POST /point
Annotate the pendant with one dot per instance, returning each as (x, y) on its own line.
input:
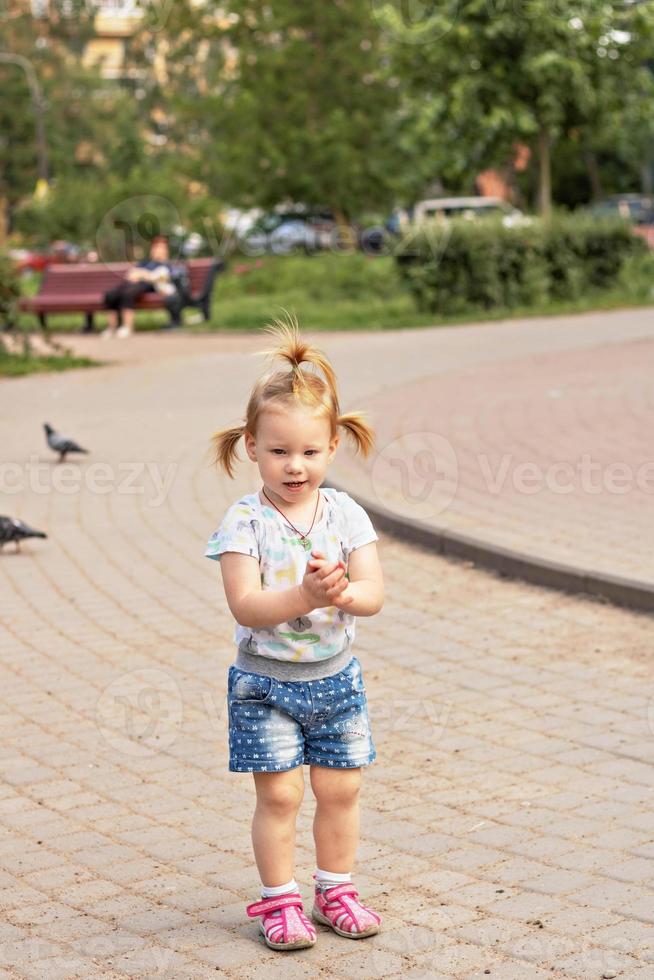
(305, 542)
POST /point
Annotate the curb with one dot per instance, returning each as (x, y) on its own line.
(632, 593)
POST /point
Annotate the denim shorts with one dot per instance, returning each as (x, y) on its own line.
(278, 725)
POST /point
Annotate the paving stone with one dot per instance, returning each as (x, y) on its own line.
(518, 783)
(57, 968)
(512, 970)
(557, 882)
(594, 961)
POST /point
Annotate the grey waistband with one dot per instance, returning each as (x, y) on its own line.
(291, 670)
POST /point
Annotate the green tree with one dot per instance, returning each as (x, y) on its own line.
(499, 71)
(300, 104)
(91, 127)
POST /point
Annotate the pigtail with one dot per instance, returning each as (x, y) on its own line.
(224, 444)
(292, 387)
(359, 431)
(292, 348)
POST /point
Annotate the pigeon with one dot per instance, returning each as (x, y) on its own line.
(61, 444)
(11, 529)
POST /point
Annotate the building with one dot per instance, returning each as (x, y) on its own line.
(115, 22)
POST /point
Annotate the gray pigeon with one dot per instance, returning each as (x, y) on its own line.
(61, 444)
(11, 529)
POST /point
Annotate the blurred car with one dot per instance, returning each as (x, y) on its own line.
(36, 260)
(238, 221)
(637, 208)
(470, 208)
(283, 232)
(187, 244)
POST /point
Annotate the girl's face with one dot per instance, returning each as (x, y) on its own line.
(293, 448)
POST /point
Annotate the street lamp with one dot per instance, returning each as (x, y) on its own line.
(37, 101)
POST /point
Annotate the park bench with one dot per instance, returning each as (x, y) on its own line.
(80, 288)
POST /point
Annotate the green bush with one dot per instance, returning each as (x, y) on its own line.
(325, 276)
(326, 291)
(9, 292)
(479, 266)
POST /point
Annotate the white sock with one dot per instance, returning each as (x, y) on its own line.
(278, 890)
(327, 879)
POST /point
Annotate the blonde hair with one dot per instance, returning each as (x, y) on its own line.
(290, 388)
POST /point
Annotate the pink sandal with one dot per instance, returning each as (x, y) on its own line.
(284, 924)
(339, 907)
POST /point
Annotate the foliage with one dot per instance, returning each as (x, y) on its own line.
(492, 75)
(345, 105)
(352, 292)
(323, 277)
(92, 127)
(302, 106)
(78, 208)
(9, 292)
(16, 353)
(471, 266)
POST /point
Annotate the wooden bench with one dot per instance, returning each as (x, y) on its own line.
(80, 288)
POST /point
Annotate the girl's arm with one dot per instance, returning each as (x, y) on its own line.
(364, 595)
(255, 607)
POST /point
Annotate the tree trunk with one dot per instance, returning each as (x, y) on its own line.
(4, 220)
(593, 175)
(544, 172)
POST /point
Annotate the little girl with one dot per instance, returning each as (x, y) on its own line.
(299, 564)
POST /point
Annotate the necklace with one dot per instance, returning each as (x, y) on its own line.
(304, 539)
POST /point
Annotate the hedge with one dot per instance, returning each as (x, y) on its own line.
(469, 266)
(9, 292)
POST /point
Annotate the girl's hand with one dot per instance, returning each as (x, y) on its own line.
(343, 600)
(323, 581)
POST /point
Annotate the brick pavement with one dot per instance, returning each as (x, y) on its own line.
(507, 825)
(530, 435)
(549, 455)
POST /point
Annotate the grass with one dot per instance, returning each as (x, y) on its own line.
(353, 292)
(16, 365)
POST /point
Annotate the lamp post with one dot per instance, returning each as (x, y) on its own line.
(37, 101)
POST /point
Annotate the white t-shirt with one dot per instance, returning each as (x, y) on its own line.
(251, 528)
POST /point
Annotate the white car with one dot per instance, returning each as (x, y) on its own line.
(446, 208)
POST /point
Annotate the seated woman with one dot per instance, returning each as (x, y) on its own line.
(156, 274)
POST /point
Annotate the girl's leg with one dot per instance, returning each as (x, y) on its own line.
(336, 822)
(279, 795)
